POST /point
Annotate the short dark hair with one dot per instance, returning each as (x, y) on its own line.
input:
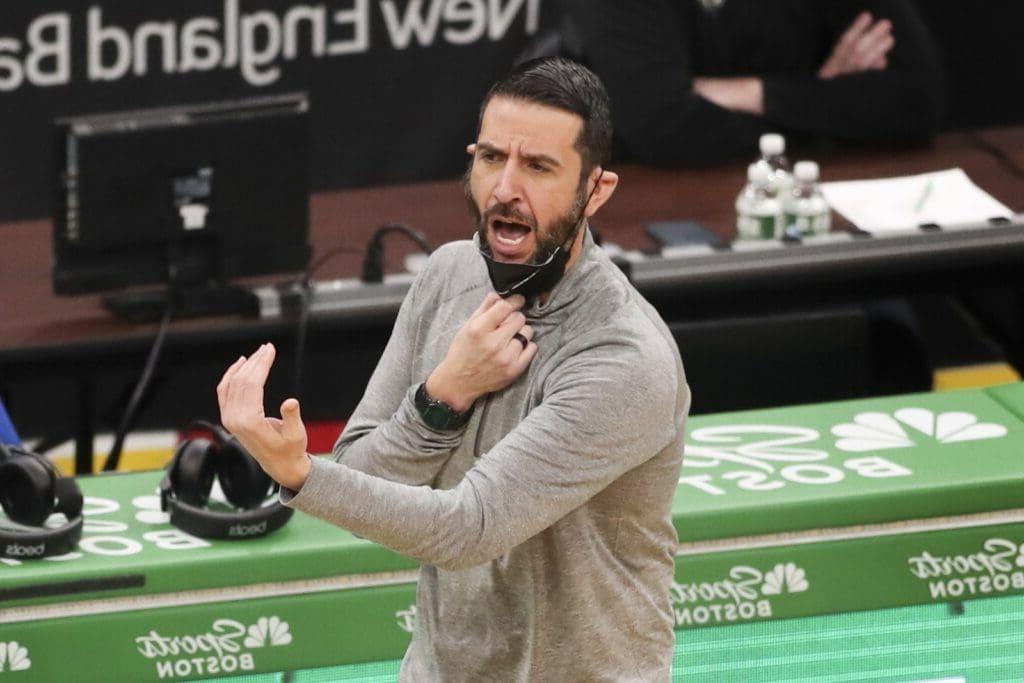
(567, 85)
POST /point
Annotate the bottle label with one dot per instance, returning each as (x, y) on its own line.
(808, 224)
(756, 227)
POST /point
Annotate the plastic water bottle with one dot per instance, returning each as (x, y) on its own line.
(773, 155)
(758, 210)
(804, 209)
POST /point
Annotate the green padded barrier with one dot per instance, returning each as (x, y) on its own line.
(834, 509)
(849, 506)
(1011, 396)
(934, 643)
(848, 463)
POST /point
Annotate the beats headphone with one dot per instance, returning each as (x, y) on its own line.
(32, 489)
(185, 489)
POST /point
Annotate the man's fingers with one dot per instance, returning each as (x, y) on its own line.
(292, 428)
(521, 363)
(510, 326)
(228, 374)
(253, 374)
(499, 311)
(871, 52)
(876, 41)
(242, 396)
(857, 28)
(852, 35)
(488, 301)
(839, 62)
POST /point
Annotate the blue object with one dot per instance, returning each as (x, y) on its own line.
(7, 433)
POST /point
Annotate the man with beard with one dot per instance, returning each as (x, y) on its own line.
(522, 434)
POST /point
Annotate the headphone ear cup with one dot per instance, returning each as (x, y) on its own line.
(244, 482)
(192, 471)
(26, 490)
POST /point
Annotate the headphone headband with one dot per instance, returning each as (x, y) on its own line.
(22, 542)
(28, 541)
(186, 469)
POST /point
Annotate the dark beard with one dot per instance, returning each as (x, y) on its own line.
(553, 236)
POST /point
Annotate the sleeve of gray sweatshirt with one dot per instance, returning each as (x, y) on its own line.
(608, 409)
(385, 436)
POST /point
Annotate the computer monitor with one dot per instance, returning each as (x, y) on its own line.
(188, 197)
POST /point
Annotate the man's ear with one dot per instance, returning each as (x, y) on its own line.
(471, 149)
(607, 181)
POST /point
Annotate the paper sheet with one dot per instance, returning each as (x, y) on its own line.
(885, 204)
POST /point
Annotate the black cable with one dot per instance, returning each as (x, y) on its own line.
(331, 253)
(305, 290)
(373, 260)
(373, 271)
(128, 417)
(997, 152)
(305, 295)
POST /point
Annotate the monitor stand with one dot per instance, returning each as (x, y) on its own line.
(145, 306)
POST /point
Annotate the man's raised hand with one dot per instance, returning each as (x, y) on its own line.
(492, 349)
(279, 445)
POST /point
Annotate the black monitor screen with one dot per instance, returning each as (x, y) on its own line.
(183, 196)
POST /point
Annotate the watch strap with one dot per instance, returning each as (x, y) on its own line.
(438, 415)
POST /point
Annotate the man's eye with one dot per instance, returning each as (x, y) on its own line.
(489, 157)
(537, 166)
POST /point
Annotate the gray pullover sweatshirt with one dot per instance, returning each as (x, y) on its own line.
(544, 525)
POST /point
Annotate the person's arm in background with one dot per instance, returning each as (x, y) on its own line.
(881, 81)
(640, 50)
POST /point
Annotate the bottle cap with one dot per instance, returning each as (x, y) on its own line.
(772, 144)
(758, 172)
(806, 171)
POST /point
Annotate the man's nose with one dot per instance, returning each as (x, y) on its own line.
(509, 187)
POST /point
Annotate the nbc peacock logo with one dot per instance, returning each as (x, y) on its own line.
(907, 427)
(268, 630)
(14, 656)
(785, 578)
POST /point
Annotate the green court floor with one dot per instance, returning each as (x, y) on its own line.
(980, 641)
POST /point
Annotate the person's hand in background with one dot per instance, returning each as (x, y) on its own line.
(864, 46)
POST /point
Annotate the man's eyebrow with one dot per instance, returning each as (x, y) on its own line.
(543, 158)
(484, 146)
(489, 147)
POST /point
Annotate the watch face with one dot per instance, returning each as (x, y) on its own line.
(437, 416)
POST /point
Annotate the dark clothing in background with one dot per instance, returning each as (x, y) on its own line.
(648, 52)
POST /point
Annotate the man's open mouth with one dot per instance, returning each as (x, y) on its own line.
(509, 233)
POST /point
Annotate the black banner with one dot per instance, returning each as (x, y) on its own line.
(394, 85)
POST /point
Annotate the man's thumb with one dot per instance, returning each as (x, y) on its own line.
(292, 418)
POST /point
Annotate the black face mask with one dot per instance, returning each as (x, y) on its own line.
(530, 280)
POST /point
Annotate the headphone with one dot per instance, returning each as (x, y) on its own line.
(31, 489)
(185, 489)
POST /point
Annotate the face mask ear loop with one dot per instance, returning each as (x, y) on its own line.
(583, 213)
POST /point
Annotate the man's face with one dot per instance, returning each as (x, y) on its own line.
(524, 186)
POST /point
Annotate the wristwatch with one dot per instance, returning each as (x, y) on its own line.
(438, 414)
